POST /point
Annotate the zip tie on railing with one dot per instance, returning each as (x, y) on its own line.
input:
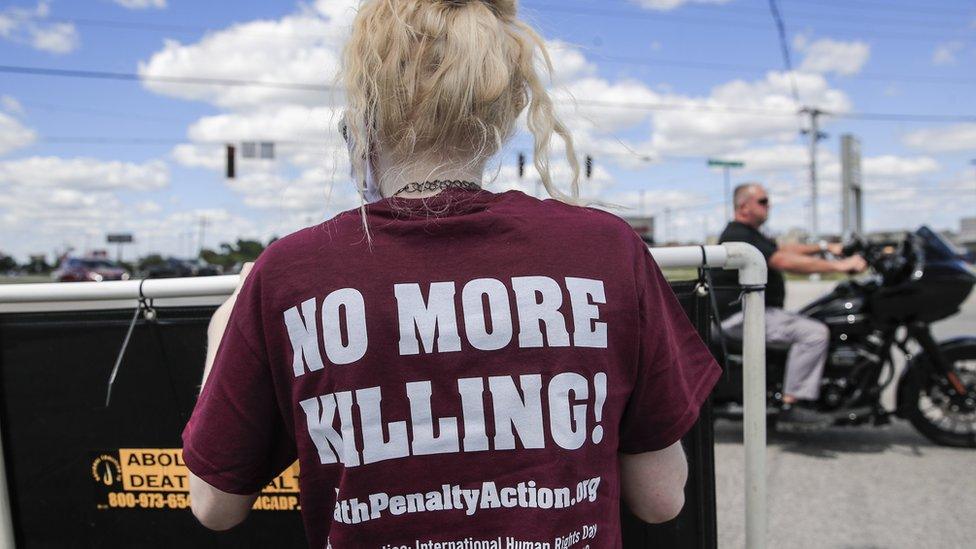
(705, 273)
(150, 314)
(747, 289)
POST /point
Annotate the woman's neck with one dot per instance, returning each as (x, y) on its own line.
(392, 175)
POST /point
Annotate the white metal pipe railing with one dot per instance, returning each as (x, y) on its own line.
(752, 273)
(744, 258)
(128, 289)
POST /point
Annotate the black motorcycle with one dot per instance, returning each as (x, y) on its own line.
(917, 281)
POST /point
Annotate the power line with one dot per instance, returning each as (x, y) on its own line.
(127, 25)
(671, 18)
(713, 66)
(887, 6)
(95, 112)
(874, 18)
(138, 25)
(108, 75)
(785, 50)
(648, 106)
(914, 22)
(904, 117)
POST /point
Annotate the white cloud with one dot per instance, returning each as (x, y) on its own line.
(896, 167)
(734, 114)
(312, 192)
(575, 102)
(827, 55)
(141, 4)
(49, 202)
(147, 207)
(300, 48)
(568, 62)
(781, 157)
(945, 53)
(667, 5)
(82, 174)
(287, 123)
(310, 177)
(193, 155)
(958, 137)
(28, 26)
(11, 105)
(13, 134)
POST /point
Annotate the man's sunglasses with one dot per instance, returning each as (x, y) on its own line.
(763, 201)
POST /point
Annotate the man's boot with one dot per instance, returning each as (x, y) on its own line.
(799, 416)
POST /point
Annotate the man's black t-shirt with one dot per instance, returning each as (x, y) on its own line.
(775, 287)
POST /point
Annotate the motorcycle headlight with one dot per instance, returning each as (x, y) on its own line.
(95, 277)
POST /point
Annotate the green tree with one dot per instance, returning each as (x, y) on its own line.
(37, 265)
(7, 263)
(229, 255)
(150, 261)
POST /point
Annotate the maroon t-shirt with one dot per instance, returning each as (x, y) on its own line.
(467, 379)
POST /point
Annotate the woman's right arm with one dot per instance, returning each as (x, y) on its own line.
(653, 483)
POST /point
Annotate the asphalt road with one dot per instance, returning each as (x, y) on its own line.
(854, 487)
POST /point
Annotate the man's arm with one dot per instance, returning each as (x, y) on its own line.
(785, 260)
(835, 248)
(653, 483)
(214, 508)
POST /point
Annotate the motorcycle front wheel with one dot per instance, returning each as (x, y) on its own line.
(933, 413)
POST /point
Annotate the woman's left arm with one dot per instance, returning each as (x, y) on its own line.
(216, 509)
(218, 324)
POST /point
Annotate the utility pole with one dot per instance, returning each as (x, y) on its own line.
(815, 135)
(973, 162)
(203, 228)
(642, 193)
(726, 165)
(667, 226)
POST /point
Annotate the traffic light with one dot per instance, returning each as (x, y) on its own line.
(521, 165)
(589, 166)
(230, 162)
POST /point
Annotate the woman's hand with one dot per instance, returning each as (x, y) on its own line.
(218, 323)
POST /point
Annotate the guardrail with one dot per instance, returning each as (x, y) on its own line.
(744, 258)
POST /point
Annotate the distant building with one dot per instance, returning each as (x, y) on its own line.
(643, 225)
(797, 235)
(967, 233)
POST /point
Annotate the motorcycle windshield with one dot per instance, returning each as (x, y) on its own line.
(937, 248)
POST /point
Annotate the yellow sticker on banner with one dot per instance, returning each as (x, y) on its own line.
(157, 478)
(153, 470)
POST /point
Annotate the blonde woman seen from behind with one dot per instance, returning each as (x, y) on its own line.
(446, 363)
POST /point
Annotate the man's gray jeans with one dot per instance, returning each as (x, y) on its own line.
(808, 340)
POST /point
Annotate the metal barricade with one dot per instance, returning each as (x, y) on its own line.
(78, 473)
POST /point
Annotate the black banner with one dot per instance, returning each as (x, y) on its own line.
(81, 474)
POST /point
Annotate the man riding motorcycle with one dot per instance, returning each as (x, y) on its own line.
(807, 338)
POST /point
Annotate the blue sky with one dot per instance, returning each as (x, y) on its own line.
(676, 81)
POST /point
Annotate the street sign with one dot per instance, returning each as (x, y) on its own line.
(715, 163)
(264, 150)
(119, 238)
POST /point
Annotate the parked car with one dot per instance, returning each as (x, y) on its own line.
(78, 269)
(173, 267)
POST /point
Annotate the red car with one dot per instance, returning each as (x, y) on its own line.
(75, 269)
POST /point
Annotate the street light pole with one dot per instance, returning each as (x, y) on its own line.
(726, 165)
(815, 135)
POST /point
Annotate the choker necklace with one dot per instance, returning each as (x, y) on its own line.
(438, 185)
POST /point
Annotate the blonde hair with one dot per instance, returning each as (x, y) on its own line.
(449, 77)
